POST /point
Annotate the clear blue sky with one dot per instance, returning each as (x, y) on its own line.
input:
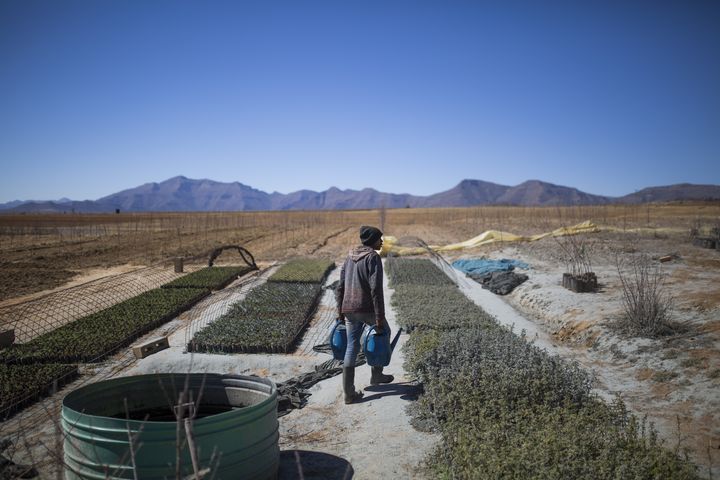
(610, 96)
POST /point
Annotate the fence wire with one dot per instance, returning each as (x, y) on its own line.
(47, 312)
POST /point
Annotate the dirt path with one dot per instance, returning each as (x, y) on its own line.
(326, 438)
(373, 436)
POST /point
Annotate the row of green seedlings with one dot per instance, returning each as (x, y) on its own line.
(506, 408)
(272, 316)
(33, 369)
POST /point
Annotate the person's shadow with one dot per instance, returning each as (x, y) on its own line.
(407, 391)
(307, 465)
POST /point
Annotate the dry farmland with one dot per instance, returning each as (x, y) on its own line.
(674, 379)
(40, 252)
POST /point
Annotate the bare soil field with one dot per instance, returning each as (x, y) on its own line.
(673, 379)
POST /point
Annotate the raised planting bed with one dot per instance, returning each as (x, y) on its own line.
(213, 278)
(303, 270)
(427, 298)
(22, 385)
(437, 307)
(415, 271)
(269, 319)
(507, 409)
(95, 336)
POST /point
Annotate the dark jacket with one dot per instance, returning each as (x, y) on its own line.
(360, 289)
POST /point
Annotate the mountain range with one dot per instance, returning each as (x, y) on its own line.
(189, 195)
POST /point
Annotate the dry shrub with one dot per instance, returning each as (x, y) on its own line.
(646, 302)
(577, 252)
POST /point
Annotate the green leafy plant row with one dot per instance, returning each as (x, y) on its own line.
(436, 307)
(415, 271)
(21, 385)
(303, 270)
(213, 278)
(507, 409)
(269, 319)
(95, 336)
(426, 298)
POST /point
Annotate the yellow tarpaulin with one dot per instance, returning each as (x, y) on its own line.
(486, 238)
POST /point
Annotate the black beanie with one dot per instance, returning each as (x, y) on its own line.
(369, 235)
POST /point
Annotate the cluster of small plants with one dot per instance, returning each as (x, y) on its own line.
(272, 315)
(28, 382)
(93, 337)
(213, 278)
(507, 409)
(34, 368)
(436, 307)
(303, 270)
(416, 271)
(438, 304)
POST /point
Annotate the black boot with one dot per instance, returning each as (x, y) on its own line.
(349, 386)
(377, 376)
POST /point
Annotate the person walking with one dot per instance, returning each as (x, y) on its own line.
(360, 301)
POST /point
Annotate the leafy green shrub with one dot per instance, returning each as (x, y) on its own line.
(303, 270)
(507, 409)
(269, 319)
(498, 366)
(93, 337)
(23, 384)
(596, 441)
(421, 345)
(213, 278)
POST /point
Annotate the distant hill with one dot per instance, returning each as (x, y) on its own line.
(336, 199)
(671, 193)
(535, 192)
(13, 204)
(181, 194)
(85, 206)
(466, 193)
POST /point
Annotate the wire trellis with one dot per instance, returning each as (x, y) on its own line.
(45, 313)
(87, 322)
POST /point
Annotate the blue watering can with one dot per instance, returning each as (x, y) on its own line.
(338, 339)
(377, 346)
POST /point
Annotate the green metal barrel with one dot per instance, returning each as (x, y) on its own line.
(137, 427)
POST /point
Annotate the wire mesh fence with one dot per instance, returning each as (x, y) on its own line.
(88, 322)
(208, 312)
(35, 317)
(45, 313)
(267, 319)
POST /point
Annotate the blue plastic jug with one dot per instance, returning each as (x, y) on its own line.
(377, 346)
(338, 339)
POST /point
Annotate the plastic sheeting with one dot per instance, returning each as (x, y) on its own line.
(486, 238)
(500, 283)
(481, 266)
